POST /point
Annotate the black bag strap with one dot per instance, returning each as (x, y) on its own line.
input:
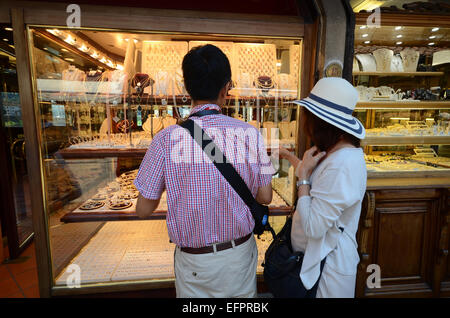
(225, 168)
(205, 113)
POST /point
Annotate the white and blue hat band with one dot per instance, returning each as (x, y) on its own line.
(339, 111)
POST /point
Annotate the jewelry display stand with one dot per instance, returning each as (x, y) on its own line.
(294, 63)
(410, 58)
(161, 60)
(397, 64)
(383, 59)
(367, 61)
(256, 59)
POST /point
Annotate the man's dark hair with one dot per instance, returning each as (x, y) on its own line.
(206, 70)
(324, 135)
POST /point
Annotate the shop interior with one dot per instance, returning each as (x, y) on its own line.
(102, 96)
(401, 74)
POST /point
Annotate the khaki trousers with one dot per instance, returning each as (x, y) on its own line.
(224, 274)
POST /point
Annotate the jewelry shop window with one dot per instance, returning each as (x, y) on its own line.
(101, 97)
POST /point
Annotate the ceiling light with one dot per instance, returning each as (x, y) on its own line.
(69, 59)
(53, 31)
(8, 29)
(45, 49)
(399, 36)
(363, 26)
(399, 118)
(84, 48)
(135, 41)
(398, 28)
(431, 43)
(365, 35)
(70, 39)
(126, 40)
(434, 29)
(432, 37)
(64, 50)
(398, 43)
(6, 40)
(366, 42)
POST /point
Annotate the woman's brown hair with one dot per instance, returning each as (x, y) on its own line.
(324, 135)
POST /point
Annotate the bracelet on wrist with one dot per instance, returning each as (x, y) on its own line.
(302, 182)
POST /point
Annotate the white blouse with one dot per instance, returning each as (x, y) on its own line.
(338, 185)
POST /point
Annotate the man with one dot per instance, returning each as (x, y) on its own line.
(216, 254)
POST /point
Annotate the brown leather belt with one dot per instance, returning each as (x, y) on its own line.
(219, 246)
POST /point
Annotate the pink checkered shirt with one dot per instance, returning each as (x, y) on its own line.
(202, 207)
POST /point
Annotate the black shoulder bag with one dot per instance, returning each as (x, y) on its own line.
(259, 212)
(282, 267)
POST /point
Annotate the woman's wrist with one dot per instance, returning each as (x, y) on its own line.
(302, 173)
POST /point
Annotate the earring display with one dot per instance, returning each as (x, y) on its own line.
(410, 58)
(294, 63)
(285, 130)
(162, 60)
(383, 59)
(256, 59)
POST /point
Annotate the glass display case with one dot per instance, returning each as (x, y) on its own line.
(101, 97)
(412, 142)
(404, 101)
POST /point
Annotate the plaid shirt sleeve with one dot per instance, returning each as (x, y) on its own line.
(150, 180)
(265, 165)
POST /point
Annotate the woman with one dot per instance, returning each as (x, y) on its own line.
(332, 182)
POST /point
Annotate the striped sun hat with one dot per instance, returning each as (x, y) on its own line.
(333, 99)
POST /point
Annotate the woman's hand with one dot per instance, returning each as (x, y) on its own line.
(283, 153)
(311, 158)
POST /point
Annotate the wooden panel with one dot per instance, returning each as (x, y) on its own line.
(128, 18)
(413, 195)
(444, 246)
(397, 231)
(307, 80)
(399, 74)
(407, 19)
(407, 183)
(401, 235)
